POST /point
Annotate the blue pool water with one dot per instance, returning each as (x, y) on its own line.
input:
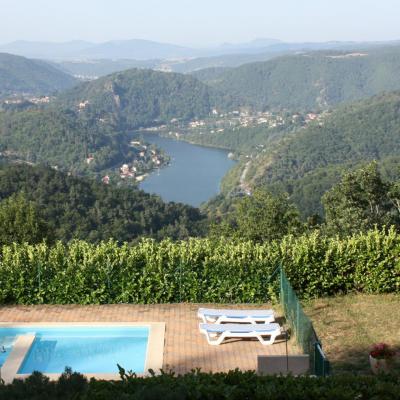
(84, 349)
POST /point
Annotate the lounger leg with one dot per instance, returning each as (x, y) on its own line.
(271, 340)
(217, 341)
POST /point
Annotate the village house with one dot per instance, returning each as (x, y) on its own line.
(83, 104)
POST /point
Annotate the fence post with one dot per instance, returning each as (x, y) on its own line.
(315, 366)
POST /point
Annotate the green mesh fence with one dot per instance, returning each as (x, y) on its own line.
(302, 328)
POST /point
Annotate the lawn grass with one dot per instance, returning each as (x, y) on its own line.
(349, 325)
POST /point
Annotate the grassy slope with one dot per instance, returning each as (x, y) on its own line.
(349, 325)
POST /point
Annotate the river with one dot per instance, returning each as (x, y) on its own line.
(194, 174)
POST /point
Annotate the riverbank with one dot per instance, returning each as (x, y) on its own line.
(183, 138)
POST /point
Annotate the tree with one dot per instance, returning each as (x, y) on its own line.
(360, 201)
(20, 221)
(262, 217)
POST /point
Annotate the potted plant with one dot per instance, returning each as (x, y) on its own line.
(381, 357)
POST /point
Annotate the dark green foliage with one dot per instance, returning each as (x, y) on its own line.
(21, 221)
(70, 386)
(260, 217)
(197, 270)
(86, 209)
(306, 192)
(21, 75)
(360, 201)
(312, 80)
(233, 385)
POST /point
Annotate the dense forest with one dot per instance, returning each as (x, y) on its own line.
(21, 75)
(79, 208)
(62, 138)
(310, 80)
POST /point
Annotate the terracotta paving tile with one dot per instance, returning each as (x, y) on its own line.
(185, 348)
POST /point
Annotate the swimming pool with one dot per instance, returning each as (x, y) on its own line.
(93, 350)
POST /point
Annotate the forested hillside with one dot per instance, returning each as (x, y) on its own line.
(62, 138)
(311, 80)
(86, 209)
(143, 97)
(22, 75)
(312, 160)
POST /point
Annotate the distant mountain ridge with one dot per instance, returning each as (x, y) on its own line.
(22, 75)
(140, 49)
(134, 49)
(44, 49)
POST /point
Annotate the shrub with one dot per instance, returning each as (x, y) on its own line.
(196, 385)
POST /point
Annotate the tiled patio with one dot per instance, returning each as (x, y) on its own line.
(184, 349)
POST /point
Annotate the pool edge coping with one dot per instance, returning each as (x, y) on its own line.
(154, 353)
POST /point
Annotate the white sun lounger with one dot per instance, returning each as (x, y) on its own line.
(215, 316)
(217, 333)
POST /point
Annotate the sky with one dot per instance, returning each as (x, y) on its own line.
(199, 22)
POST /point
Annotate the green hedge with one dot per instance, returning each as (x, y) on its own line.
(198, 270)
(234, 385)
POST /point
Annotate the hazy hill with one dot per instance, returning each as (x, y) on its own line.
(45, 49)
(93, 69)
(308, 163)
(140, 49)
(22, 75)
(115, 49)
(312, 80)
(135, 49)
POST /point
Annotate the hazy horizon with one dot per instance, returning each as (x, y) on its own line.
(211, 45)
(204, 24)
